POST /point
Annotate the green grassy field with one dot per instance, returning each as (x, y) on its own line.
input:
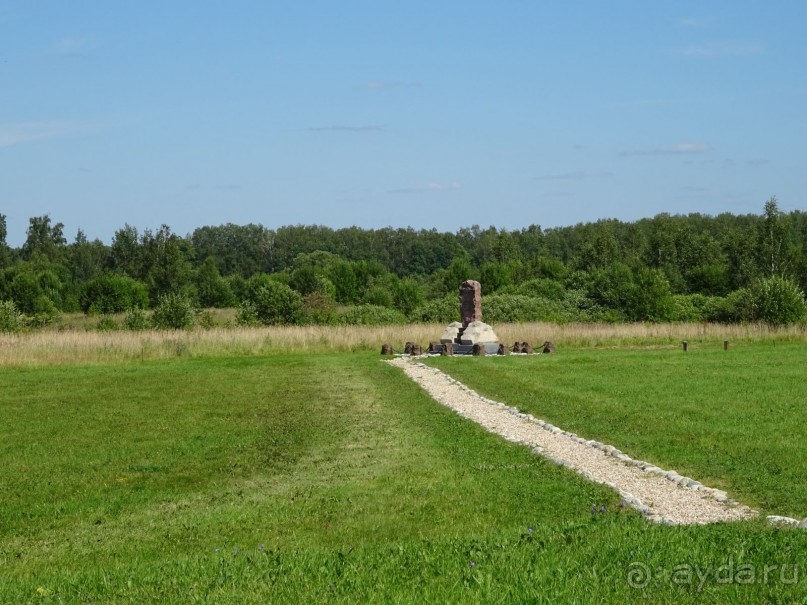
(333, 478)
(732, 419)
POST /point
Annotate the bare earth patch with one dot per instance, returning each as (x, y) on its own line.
(663, 496)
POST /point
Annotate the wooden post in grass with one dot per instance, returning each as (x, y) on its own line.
(686, 344)
(725, 345)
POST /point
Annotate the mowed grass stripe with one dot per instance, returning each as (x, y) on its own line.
(731, 419)
(131, 467)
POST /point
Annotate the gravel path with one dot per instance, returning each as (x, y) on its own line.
(664, 496)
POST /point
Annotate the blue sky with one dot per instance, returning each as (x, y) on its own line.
(423, 114)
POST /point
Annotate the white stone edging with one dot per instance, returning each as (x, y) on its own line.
(682, 481)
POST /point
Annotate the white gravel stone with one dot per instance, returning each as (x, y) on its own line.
(662, 500)
(778, 520)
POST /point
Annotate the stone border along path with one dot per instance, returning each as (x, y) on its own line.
(663, 496)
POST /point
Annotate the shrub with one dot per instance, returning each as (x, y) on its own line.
(778, 301)
(174, 311)
(318, 309)
(326, 287)
(247, 315)
(343, 277)
(650, 297)
(440, 310)
(212, 289)
(25, 292)
(407, 295)
(238, 286)
(44, 312)
(737, 307)
(11, 320)
(543, 288)
(699, 307)
(371, 315)
(206, 320)
(136, 320)
(552, 268)
(304, 280)
(274, 303)
(111, 293)
(514, 308)
(379, 296)
(580, 307)
(106, 323)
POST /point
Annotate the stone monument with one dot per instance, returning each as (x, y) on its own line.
(470, 301)
(471, 330)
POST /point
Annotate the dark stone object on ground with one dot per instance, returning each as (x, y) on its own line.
(516, 347)
(448, 349)
(503, 350)
(408, 348)
(416, 350)
(435, 347)
(549, 347)
(386, 349)
(470, 301)
(526, 348)
(479, 350)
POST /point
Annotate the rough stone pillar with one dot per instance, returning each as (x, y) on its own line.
(470, 302)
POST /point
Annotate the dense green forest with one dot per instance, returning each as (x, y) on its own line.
(726, 268)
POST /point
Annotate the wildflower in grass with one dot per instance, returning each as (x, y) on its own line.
(603, 509)
(217, 549)
(529, 529)
(471, 564)
(262, 547)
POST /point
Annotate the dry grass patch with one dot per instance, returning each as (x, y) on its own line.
(51, 347)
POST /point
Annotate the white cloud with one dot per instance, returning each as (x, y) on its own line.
(678, 149)
(25, 132)
(694, 22)
(348, 128)
(758, 162)
(684, 148)
(576, 175)
(380, 85)
(69, 47)
(428, 187)
(722, 50)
